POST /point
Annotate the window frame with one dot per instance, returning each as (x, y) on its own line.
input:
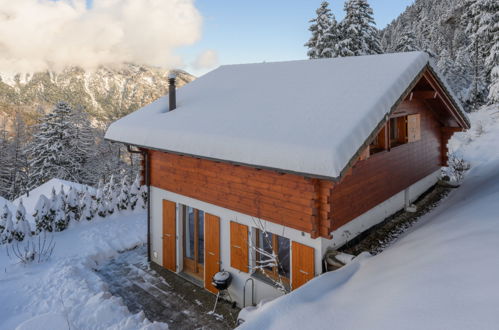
(273, 273)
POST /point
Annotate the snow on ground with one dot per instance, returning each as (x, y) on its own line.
(66, 288)
(441, 275)
(4, 202)
(46, 189)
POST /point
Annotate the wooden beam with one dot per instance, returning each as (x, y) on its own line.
(422, 95)
(428, 75)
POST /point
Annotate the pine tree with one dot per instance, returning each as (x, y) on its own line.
(483, 31)
(406, 43)
(7, 224)
(43, 220)
(22, 229)
(19, 161)
(51, 152)
(4, 160)
(321, 25)
(494, 85)
(359, 35)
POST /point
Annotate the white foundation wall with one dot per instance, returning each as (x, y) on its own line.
(262, 289)
(379, 213)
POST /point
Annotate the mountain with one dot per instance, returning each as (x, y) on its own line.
(106, 93)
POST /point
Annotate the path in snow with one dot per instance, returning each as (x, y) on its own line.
(177, 302)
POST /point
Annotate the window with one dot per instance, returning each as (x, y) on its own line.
(272, 255)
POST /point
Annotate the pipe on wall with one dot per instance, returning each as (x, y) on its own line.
(145, 154)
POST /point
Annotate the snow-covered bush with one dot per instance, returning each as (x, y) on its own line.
(59, 207)
(135, 193)
(87, 206)
(32, 249)
(6, 225)
(72, 206)
(22, 229)
(456, 168)
(43, 218)
(143, 196)
(124, 196)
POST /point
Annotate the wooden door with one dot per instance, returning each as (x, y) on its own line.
(239, 246)
(169, 236)
(302, 264)
(212, 250)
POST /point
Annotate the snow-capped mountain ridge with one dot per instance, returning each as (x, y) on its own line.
(107, 93)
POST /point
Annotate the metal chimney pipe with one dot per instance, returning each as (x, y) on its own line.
(171, 91)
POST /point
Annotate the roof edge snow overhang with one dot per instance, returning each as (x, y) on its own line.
(450, 103)
(260, 167)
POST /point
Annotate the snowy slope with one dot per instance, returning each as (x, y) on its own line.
(307, 116)
(4, 202)
(66, 289)
(441, 275)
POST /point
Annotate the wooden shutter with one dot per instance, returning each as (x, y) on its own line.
(413, 128)
(402, 129)
(302, 264)
(169, 236)
(239, 246)
(211, 250)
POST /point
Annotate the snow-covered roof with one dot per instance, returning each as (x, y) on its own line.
(308, 116)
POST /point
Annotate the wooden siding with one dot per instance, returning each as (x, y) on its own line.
(239, 246)
(302, 264)
(291, 200)
(386, 173)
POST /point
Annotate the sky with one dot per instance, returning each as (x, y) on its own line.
(194, 35)
(268, 30)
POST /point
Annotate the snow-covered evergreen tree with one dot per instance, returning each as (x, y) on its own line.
(320, 27)
(359, 35)
(494, 85)
(4, 160)
(143, 195)
(102, 208)
(124, 196)
(7, 224)
(87, 206)
(135, 193)
(22, 228)
(61, 221)
(51, 152)
(72, 206)
(43, 219)
(406, 43)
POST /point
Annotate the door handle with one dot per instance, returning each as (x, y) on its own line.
(213, 254)
(236, 246)
(304, 272)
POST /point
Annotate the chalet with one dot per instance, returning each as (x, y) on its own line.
(287, 159)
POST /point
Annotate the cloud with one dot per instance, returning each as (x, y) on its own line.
(206, 60)
(45, 34)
